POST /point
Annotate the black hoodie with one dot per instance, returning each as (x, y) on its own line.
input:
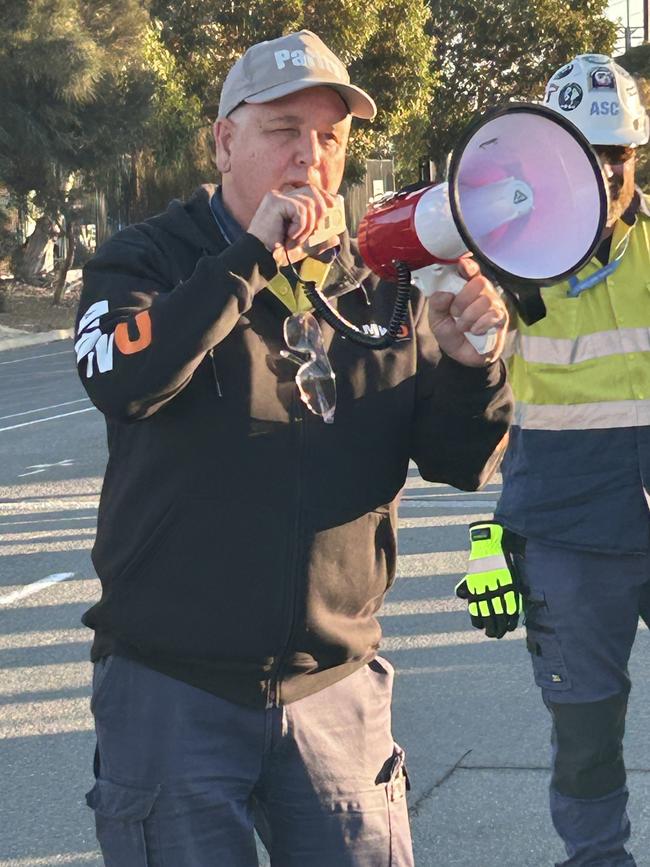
(243, 545)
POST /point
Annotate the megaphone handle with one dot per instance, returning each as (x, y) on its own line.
(451, 281)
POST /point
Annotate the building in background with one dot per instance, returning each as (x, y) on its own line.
(631, 17)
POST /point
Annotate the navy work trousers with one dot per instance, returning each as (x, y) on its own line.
(582, 614)
(183, 777)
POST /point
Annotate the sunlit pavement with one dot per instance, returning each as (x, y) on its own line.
(472, 724)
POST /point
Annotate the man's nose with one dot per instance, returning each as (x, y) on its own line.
(309, 151)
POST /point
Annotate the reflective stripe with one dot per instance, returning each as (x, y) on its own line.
(487, 564)
(551, 350)
(583, 416)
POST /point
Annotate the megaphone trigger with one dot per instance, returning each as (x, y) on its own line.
(445, 278)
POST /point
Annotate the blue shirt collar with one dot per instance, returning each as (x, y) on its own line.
(228, 225)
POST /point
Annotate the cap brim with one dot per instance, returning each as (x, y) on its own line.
(358, 102)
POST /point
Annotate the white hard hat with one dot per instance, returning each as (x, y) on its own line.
(601, 99)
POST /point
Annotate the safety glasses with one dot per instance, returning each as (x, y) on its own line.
(315, 378)
(614, 155)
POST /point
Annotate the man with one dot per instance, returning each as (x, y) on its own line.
(577, 474)
(244, 545)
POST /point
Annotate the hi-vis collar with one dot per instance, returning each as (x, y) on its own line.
(311, 270)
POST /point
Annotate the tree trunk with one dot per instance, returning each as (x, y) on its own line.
(32, 261)
(4, 296)
(64, 267)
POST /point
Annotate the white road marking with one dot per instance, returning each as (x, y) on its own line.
(75, 858)
(47, 521)
(32, 357)
(81, 590)
(43, 408)
(49, 418)
(439, 503)
(40, 468)
(29, 506)
(35, 587)
(13, 536)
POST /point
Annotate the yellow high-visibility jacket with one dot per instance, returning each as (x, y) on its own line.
(577, 471)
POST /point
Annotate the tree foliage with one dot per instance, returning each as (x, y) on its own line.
(75, 92)
(383, 42)
(73, 89)
(637, 61)
(498, 50)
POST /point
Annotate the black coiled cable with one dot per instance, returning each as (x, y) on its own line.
(347, 329)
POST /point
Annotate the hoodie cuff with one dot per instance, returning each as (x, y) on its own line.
(492, 374)
(249, 260)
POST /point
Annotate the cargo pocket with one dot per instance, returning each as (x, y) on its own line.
(549, 667)
(397, 784)
(120, 813)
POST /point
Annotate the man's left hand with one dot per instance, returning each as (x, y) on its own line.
(478, 307)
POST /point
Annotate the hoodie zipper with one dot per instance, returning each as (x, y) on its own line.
(217, 384)
(273, 693)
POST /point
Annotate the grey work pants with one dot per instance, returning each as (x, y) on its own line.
(183, 777)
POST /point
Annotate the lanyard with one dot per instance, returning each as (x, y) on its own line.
(577, 286)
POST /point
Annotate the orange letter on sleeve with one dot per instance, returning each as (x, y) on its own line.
(124, 343)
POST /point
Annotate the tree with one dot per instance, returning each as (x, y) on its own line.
(383, 43)
(637, 62)
(497, 50)
(75, 93)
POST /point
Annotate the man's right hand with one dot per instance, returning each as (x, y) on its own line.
(492, 586)
(287, 219)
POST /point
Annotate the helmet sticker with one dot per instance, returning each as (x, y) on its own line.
(563, 72)
(602, 78)
(596, 58)
(550, 90)
(570, 96)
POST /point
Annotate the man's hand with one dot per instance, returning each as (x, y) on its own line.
(477, 308)
(288, 218)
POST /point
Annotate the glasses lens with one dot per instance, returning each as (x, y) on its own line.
(317, 389)
(315, 379)
(302, 333)
(615, 155)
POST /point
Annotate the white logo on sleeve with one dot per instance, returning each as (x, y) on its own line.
(95, 347)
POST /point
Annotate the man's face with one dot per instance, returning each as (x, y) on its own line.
(281, 145)
(618, 166)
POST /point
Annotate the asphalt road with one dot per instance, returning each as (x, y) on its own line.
(472, 723)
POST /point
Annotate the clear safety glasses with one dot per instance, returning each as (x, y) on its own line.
(315, 378)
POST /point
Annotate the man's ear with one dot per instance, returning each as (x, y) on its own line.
(223, 134)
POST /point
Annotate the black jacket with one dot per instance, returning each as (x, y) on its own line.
(243, 545)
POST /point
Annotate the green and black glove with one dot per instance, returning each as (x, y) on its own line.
(491, 586)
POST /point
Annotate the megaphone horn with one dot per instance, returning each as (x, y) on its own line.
(525, 194)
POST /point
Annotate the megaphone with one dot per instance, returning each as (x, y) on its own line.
(525, 194)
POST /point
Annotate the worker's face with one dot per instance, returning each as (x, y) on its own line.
(618, 166)
(282, 145)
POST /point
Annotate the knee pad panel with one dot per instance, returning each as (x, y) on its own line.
(588, 741)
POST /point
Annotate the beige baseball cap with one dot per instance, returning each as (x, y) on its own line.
(270, 70)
